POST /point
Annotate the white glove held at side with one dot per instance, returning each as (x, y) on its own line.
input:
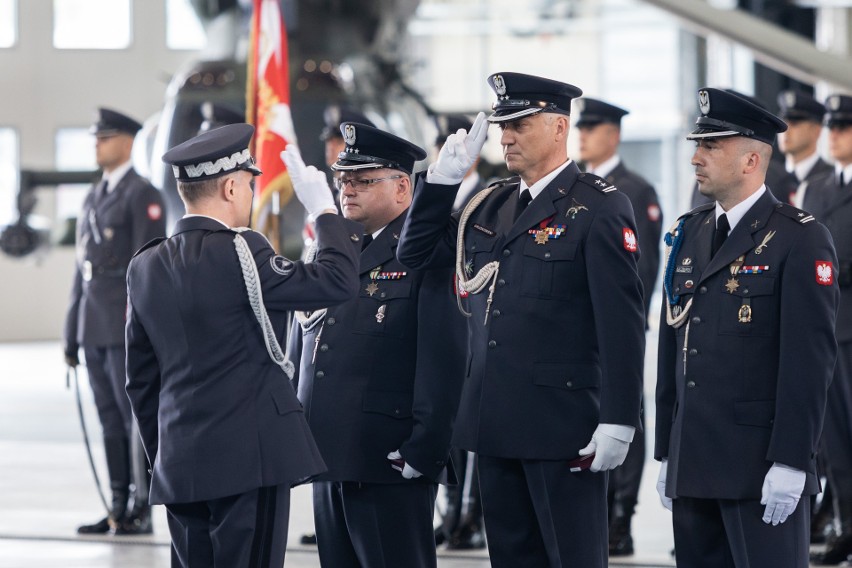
(408, 472)
(309, 184)
(458, 153)
(782, 489)
(661, 485)
(609, 450)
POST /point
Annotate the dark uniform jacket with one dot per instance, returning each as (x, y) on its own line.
(383, 372)
(649, 223)
(217, 416)
(814, 180)
(832, 206)
(562, 349)
(733, 395)
(109, 231)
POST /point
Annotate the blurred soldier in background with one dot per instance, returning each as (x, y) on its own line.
(122, 212)
(803, 115)
(600, 135)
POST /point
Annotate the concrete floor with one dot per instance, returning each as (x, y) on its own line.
(46, 486)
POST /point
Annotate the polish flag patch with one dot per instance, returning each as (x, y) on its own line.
(824, 272)
(629, 240)
(155, 212)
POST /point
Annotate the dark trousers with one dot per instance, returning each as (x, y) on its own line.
(248, 530)
(727, 533)
(107, 376)
(539, 514)
(370, 525)
(836, 440)
(463, 514)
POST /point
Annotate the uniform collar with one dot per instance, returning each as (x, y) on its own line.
(738, 211)
(539, 186)
(803, 167)
(606, 167)
(847, 173)
(115, 175)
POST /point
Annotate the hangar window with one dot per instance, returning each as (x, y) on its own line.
(8, 175)
(91, 24)
(8, 23)
(75, 151)
(183, 28)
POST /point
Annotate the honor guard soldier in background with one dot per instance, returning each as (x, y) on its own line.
(223, 430)
(546, 269)
(461, 519)
(380, 375)
(833, 206)
(746, 352)
(122, 212)
(803, 115)
(600, 135)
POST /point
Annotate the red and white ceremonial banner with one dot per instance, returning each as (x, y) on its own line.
(268, 109)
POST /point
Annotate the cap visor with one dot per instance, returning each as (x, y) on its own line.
(700, 133)
(497, 117)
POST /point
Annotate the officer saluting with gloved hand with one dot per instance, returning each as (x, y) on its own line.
(223, 430)
(546, 269)
(746, 352)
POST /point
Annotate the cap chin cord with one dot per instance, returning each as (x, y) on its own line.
(255, 297)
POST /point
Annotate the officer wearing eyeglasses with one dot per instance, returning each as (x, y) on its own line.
(546, 262)
(379, 376)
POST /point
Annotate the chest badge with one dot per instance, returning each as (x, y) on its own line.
(371, 288)
(575, 208)
(764, 243)
(380, 314)
(544, 233)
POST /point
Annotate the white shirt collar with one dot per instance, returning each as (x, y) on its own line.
(847, 172)
(803, 168)
(738, 211)
(188, 215)
(115, 175)
(539, 186)
(605, 168)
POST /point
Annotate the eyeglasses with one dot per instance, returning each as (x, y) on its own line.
(360, 184)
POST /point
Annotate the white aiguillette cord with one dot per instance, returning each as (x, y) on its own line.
(255, 297)
(487, 273)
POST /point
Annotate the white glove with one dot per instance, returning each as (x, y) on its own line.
(408, 472)
(782, 489)
(609, 443)
(661, 485)
(458, 153)
(309, 184)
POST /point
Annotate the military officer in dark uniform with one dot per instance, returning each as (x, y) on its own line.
(746, 352)
(599, 123)
(546, 267)
(461, 518)
(833, 206)
(224, 432)
(380, 375)
(122, 212)
(803, 115)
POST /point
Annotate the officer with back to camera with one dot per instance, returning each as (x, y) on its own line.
(599, 124)
(222, 427)
(803, 115)
(833, 206)
(380, 375)
(547, 267)
(122, 212)
(746, 352)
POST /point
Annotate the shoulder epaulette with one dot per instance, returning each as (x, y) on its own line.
(150, 244)
(597, 182)
(794, 213)
(699, 209)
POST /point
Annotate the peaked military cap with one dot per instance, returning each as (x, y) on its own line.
(593, 112)
(725, 114)
(217, 114)
(213, 153)
(109, 122)
(839, 110)
(450, 124)
(795, 105)
(335, 115)
(369, 147)
(520, 95)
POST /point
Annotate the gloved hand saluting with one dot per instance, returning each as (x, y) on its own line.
(609, 443)
(458, 153)
(782, 489)
(310, 184)
(407, 471)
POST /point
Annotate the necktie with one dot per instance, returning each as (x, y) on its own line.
(101, 190)
(366, 241)
(722, 228)
(523, 201)
(840, 179)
